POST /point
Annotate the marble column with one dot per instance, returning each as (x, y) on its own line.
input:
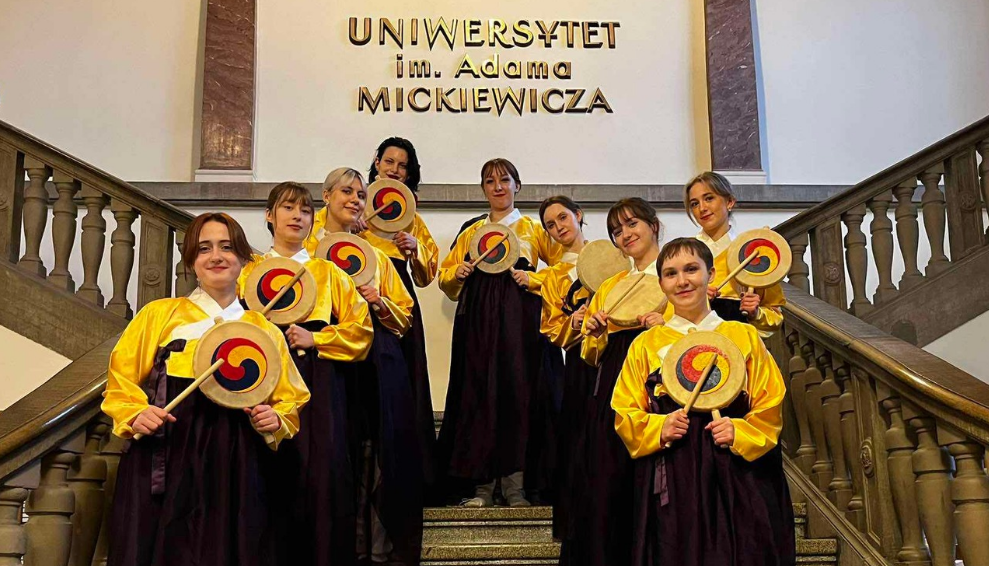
(228, 87)
(733, 103)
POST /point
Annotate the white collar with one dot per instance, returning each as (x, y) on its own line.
(302, 256)
(650, 269)
(512, 218)
(212, 309)
(569, 257)
(721, 244)
(684, 326)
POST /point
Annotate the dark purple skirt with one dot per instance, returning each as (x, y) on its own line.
(383, 411)
(545, 401)
(414, 350)
(496, 355)
(313, 474)
(714, 507)
(214, 508)
(578, 386)
(600, 516)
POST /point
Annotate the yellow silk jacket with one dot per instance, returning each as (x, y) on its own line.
(535, 242)
(348, 340)
(593, 347)
(154, 327)
(755, 434)
(770, 315)
(424, 265)
(555, 284)
(397, 315)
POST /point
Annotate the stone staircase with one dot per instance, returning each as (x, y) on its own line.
(457, 536)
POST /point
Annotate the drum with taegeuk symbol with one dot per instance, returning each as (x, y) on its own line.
(251, 369)
(267, 279)
(391, 208)
(350, 253)
(686, 360)
(497, 245)
(771, 262)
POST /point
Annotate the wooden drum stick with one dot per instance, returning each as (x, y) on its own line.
(738, 269)
(281, 292)
(188, 390)
(697, 388)
(488, 251)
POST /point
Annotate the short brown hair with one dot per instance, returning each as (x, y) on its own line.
(501, 164)
(678, 246)
(714, 181)
(564, 201)
(633, 207)
(290, 192)
(190, 246)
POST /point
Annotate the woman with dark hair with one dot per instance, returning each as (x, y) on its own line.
(723, 498)
(382, 407)
(603, 484)
(564, 303)
(415, 256)
(314, 472)
(497, 352)
(708, 199)
(196, 478)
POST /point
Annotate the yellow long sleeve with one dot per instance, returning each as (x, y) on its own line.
(448, 281)
(554, 323)
(397, 315)
(769, 317)
(759, 431)
(592, 348)
(130, 363)
(291, 393)
(638, 428)
(425, 263)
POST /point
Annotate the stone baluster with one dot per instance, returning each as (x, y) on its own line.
(807, 451)
(13, 536)
(984, 175)
(855, 511)
(155, 280)
(970, 494)
(11, 202)
(899, 459)
(964, 204)
(932, 467)
(185, 279)
(882, 246)
(111, 451)
(822, 472)
(907, 233)
(122, 257)
(86, 479)
(35, 215)
(828, 262)
(857, 258)
(840, 487)
(799, 271)
(64, 230)
(93, 242)
(50, 508)
(933, 205)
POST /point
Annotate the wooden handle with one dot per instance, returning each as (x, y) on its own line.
(716, 414)
(268, 438)
(188, 390)
(488, 251)
(377, 211)
(300, 352)
(281, 292)
(748, 290)
(623, 296)
(697, 388)
(738, 269)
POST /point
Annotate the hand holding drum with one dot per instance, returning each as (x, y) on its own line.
(282, 290)
(704, 371)
(758, 259)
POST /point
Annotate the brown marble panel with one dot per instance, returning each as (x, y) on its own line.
(228, 86)
(731, 85)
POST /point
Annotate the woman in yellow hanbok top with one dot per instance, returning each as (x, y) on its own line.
(382, 406)
(496, 354)
(602, 517)
(196, 477)
(709, 199)
(416, 258)
(315, 470)
(706, 491)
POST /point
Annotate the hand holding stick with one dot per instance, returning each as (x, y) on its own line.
(738, 269)
(488, 251)
(697, 388)
(281, 293)
(188, 390)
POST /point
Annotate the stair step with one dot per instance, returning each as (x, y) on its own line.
(490, 525)
(519, 553)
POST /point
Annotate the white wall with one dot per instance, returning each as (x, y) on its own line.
(965, 347)
(109, 81)
(26, 365)
(852, 87)
(309, 73)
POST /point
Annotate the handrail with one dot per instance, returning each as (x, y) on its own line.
(89, 174)
(930, 157)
